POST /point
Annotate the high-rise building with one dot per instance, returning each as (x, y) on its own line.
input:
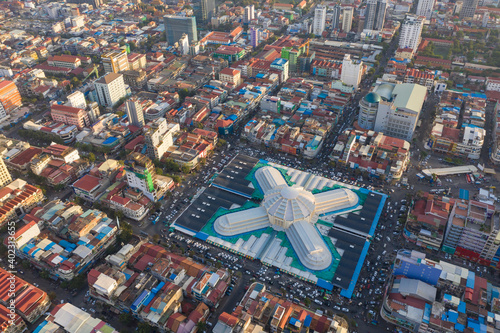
(249, 13)
(486, 18)
(159, 137)
(110, 88)
(410, 32)
(375, 14)
(473, 229)
(115, 61)
(184, 44)
(10, 98)
(141, 175)
(336, 16)
(135, 113)
(380, 18)
(425, 7)
(370, 13)
(77, 100)
(207, 10)
(93, 111)
(347, 15)
(468, 9)
(352, 71)
(5, 177)
(255, 36)
(319, 20)
(176, 26)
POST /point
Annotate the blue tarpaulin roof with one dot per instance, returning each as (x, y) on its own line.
(471, 280)
(463, 194)
(452, 316)
(307, 321)
(461, 307)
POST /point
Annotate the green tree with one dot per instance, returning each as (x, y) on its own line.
(91, 157)
(52, 295)
(145, 328)
(126, 232)
(221, 143)
(156, 238)
(307, 302)
(126, 319)
(44, 274)
(170, 165)
(159, 171)
(185, 169)
(201, 326)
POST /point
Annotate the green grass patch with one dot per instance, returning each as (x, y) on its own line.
(442, 51)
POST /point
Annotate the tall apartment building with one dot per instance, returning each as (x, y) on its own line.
(141, 175)
(392, 109)
(10, 98)
(425, 7)
(115, 61)
(336, 16)
(468, 9)
(375, 14)
(135, 113)
(110, 88)
(255, 36)
(249, 13)
(347, 15)
(176, 26)
(77, 100)
(352, 71)
(70, 115)
(370, 14)
(410, 32)
(472, 230)
(207, 9)
(319, 20)
(159, 137)
(5, 177)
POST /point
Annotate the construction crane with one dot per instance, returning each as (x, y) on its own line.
(95, 70)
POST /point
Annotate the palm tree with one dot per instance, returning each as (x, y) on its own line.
(201, 326)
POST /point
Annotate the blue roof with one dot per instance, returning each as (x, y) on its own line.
(139, 300)
(293, 321)
(324, 284)
(461, 307)
(279, 62)
(307, 321)
(201, 235)
(39, 327)
(452, 316)
(372, 98)
(110, 140)
(471, 280)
